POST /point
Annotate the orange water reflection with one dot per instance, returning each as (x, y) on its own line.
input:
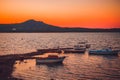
(75, 66)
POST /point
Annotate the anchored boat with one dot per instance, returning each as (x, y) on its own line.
(106, 51)
(79, 48)
(51, 58)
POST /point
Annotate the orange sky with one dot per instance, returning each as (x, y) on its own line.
(64, 13)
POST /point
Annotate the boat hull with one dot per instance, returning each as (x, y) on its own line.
(74, 51)
(49, 60)
(103, 52)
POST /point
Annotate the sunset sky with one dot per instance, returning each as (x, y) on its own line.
(64, 13)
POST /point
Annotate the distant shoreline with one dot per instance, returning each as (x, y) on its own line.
(32, 26)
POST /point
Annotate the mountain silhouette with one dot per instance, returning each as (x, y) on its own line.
(39, 26)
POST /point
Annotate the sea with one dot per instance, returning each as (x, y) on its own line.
(77, 66)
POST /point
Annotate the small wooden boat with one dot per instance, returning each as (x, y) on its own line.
(104, 52)
(51, 58)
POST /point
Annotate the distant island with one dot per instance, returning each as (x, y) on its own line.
(38, 26)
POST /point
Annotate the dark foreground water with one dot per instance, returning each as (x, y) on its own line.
(74, 67)
(79, 66)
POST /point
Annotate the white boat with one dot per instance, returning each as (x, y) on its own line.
(107, 51)
(51, 58)
(79, 48)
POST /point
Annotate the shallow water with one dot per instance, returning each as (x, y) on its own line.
(75, 66)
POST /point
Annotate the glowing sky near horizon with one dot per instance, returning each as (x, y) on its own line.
(64, 13)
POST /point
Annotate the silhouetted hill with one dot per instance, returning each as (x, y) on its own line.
(37, 26)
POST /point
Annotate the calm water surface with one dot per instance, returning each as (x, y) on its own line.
(75, 66)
